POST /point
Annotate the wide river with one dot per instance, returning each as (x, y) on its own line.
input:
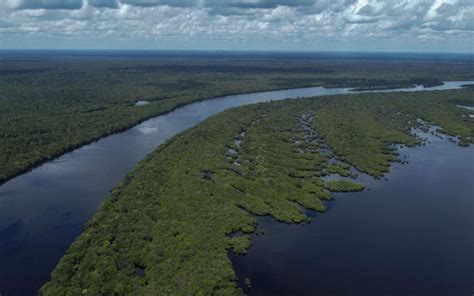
(411, 232)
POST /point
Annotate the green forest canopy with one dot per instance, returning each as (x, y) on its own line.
(54, 103)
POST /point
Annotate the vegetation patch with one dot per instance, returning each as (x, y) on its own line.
(341, 169)
(343, 186)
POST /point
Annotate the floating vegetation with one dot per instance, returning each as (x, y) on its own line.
(168, 227)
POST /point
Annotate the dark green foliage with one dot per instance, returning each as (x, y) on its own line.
(52, 104)
(240, 244)
(343, 186)
(341, 169)
(168, 227)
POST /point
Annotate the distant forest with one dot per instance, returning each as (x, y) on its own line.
(53, 102)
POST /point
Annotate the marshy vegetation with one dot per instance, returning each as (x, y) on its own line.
(168, 227)
(343, 186)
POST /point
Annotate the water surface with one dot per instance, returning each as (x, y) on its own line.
(141, 103)
(42, 211)
(409, 235)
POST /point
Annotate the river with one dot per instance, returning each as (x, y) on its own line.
(42, 211)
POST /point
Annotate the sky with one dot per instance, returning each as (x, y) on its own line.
(307, 25)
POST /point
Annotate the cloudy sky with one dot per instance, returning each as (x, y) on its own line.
(342, 25)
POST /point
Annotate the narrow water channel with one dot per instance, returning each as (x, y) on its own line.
(42, 211)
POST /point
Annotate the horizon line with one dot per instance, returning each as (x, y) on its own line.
(234, 50)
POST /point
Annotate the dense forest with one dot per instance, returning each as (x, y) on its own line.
(51, 103)
(168, 227)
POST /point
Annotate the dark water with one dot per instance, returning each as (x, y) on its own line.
(410, 235)
(41, 212)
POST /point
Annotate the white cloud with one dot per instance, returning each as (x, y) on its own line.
(305, 23)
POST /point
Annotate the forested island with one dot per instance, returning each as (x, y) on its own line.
(168, 227)
(54, 102)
